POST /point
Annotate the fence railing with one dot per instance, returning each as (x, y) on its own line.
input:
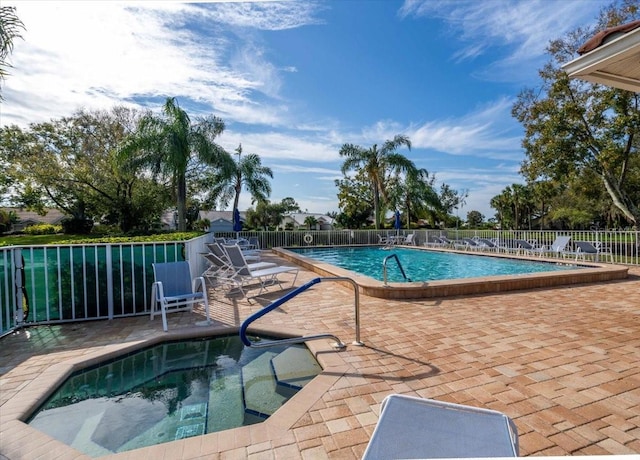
(625, 245)
(59, 283)
(104, 281)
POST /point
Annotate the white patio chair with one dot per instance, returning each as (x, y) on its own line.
(586, 249)
(173, 290)
(265, 276)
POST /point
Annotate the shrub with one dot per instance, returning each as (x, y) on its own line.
(74, 226)
(43, 229)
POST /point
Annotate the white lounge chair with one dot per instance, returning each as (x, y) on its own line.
(410, 239)
(265, 276)
(586, 249)
(383, 240)
(173, 290)
(220, 272)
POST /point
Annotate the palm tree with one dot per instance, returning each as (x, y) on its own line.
(167, 143)
(418, 194)
(247, 172)
(311, 222)
(10, 26)
(377, 165)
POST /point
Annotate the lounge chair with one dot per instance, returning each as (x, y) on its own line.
(409, 239)
(265, 276)
(221, 272)
(585, 248)
(467, 243)
(383, 240)
(555, 249)
(216, 248)
(487, 244)
(434, 241)
(173, 290)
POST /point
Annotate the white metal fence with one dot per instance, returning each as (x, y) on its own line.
(60, 283)
(105, 281)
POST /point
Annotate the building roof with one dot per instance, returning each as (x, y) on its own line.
(53, 216)
(299, 217)
(611, 57)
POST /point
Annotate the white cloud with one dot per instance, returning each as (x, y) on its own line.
(521, 28)
(281, 146)
(98, 54)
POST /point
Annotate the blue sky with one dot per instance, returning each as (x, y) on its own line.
(294, 80)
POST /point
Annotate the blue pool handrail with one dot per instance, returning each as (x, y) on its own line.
(285, 298)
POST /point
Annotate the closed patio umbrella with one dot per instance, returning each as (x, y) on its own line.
(237, 224)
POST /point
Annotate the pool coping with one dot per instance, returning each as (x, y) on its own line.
(590, 272)
(19, 408)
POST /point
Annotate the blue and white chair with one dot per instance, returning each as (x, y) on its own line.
(173, 290)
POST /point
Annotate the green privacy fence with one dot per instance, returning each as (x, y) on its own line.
(48, 284)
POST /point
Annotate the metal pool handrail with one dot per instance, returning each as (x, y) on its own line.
(384, 268)
(276, 303)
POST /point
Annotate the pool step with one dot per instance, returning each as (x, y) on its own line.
(272, 378)
(294, 368)
(259, 387)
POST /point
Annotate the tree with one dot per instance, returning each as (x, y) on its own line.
(311, 222)
(247, 172)
(10, 27)
(475, 219)
(355, 201)
(451, 199)
(417, 195)
(572, 126)
(71, 164)
(377, 165)
(266, 215)
(167, 144)
(290, 205)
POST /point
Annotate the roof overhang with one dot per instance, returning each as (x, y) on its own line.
(615, 63)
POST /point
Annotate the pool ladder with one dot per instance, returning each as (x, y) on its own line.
(276, 303)
(384, 268)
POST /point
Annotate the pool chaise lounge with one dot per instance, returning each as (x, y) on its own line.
(265, 276)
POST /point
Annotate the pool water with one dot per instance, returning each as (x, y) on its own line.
(422, 265)
(173, 391)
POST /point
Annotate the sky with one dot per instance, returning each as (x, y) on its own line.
(295, 80)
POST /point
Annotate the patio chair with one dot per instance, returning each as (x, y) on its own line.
(383, 240)
(173, 290)
(467, 243)
(409, 239)
(265, 277)
(216, 248)
(487, 244)
(254, 243)
(435, 241)
(220, 272)
(585, 248)
(410, 427)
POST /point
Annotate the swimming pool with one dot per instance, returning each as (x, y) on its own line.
(421, 265)
(558, 273)
(173, 391)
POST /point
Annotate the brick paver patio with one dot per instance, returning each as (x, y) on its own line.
(563, 363)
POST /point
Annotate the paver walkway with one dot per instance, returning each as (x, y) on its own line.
(563, 363)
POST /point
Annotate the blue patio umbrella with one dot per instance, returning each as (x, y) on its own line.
(237, 224)
(397, 223)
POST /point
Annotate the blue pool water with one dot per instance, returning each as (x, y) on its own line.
(172, 391)
(424, 265)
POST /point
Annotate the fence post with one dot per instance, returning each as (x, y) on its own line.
(109, 262)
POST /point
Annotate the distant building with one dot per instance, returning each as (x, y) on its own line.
(27, 218)
(221, 221)
(297, 220)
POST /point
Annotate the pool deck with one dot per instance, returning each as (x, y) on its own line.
(563, 363)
